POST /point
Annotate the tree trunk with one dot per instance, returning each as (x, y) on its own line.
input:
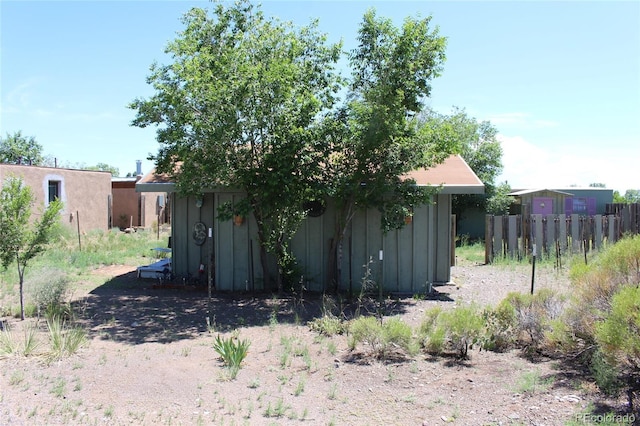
(21, 275)
(264, 264)
(344, 217)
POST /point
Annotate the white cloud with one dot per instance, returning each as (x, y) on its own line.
(18, 98)
(529, 166)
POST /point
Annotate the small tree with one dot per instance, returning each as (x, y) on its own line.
(239, 107)
(22, 239)
(375, 140)
(500, 201)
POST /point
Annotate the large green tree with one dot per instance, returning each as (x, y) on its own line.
(23, 239)
(17, 148)
(375, 139)
(239, 107)
(481, 149)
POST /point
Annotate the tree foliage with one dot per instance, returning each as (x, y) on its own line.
(250, 102)
(375, 139)
(500, 201)
(239, 107)
(17, 148)
(23, 239)
(481, 150)
(630, 196)
(104, 167)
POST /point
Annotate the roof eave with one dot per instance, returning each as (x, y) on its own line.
(156, 187)
(453, 189)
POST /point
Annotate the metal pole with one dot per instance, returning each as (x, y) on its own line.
(533, 270)
(210, 279)
(78, 224)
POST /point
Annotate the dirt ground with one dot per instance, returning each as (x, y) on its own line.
(149, 360)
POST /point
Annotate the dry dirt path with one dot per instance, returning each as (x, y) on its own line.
(149, 361)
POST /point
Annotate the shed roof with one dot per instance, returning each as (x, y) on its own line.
(454, 174)
(533, 191)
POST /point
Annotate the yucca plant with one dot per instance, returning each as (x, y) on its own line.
(232, 351)
(8, 344)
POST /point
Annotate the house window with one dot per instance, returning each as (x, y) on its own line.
(54, 190)
(580, 206)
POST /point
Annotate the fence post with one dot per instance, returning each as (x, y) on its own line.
(488, 239)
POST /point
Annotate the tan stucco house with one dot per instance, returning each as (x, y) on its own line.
(132, 209)
(86, 194)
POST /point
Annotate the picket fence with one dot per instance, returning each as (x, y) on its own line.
(557, 235)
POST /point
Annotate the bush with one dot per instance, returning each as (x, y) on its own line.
(535, 315)
(595, 284)
(455, 330)
(331, 322)
(602, 321)
(328, 325)
(500, 327)
(605, 374)
(383, 337)
(618, 337)
(48, 289)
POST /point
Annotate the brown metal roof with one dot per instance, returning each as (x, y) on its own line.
(454, 174)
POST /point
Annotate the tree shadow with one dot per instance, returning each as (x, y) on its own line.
(135, 311)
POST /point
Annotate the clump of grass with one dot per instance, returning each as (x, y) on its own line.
(11, 345)
(8, 343)
(279, 409)
(232, 351)
(532, 382)
(65, 340)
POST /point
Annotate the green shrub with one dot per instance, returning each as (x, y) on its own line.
(535, 315)
(232, 351)
(500, 327)
(455, 330)
(383, 337)
(602, 321)
(48, 289)
(605, 374)
(328, 325)
(618, 337)
(593, 287)
(595, 284)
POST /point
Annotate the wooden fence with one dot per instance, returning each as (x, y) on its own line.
(556, 235)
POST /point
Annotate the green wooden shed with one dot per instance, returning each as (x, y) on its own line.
(406, 261)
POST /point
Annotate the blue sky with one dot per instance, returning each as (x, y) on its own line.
(559, 80)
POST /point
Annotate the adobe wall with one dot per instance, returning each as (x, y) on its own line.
(86, 194)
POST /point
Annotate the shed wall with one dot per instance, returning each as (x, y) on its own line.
(413, 256)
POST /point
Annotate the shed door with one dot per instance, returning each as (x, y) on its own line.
(542, 205)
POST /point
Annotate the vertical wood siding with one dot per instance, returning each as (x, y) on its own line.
(413, 257)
